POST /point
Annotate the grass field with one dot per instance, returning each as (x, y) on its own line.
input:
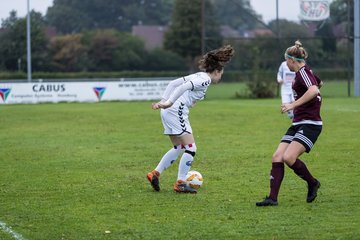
(75, 171)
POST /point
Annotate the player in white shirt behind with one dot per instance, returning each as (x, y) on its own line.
(285, 78)
(180, 95)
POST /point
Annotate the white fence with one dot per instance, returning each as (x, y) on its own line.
(84, 91)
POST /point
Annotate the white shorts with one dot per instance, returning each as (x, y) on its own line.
(176, 119)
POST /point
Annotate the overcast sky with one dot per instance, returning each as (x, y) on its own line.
(20, 6)
(288, 9)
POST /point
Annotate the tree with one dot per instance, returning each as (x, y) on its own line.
(289, 29)
(66, 18)
(328, 38)
(73, 16)
(342, 14)
(111, 50)
(10, 21)
(131, 54)
(163, 60)
(102, 46)
(13, 48)
(184, 35)
(213, 38)
(236, 14)
(68, 53)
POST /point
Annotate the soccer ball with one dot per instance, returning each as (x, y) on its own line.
(194, 179)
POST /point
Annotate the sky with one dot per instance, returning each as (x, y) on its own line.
(288, 9)
(20, 6)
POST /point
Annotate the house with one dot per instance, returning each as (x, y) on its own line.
(152, 35)
(228, 32)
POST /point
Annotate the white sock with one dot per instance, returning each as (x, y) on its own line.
(169, 158)
(186, 161)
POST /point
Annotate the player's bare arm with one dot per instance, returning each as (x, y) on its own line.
(310, 94)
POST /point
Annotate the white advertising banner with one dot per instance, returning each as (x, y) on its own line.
(40, 92)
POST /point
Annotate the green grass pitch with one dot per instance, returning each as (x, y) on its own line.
(78, 171)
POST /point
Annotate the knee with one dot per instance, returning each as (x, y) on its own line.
(277, 157)
(190, 149)
(289, 159)
(179, 148)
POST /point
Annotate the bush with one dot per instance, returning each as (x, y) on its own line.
(261, 89)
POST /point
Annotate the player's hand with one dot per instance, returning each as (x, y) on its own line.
(286, 107)
(161, 104)
(155, 105)
(193, 104)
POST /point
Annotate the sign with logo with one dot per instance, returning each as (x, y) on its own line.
(17, 93)
(4, 93)
(99, 91)
(314, 10)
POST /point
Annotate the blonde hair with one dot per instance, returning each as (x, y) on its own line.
(296, 52)
(216, 59)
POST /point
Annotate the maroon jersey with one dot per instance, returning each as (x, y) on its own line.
(308, 113)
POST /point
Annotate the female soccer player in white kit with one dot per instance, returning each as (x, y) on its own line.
(285, 77)
(180, 95)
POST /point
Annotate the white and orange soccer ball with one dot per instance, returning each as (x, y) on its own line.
(194, 179)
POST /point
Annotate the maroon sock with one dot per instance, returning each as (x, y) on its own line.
(301, 170)
(276, 177)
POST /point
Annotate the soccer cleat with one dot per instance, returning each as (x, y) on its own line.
(312, 191)
(267, 202)
(181, 187)
(153, 178)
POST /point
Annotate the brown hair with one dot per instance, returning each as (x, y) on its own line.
(216, 59)
(296, 52)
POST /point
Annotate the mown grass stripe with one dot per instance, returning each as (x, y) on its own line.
(7, 229)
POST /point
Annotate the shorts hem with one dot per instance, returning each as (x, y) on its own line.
(177, 134)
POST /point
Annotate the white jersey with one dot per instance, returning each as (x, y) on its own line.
(287, 77)
(188, 89)
(183, 93)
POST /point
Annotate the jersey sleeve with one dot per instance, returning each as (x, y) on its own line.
(180, 91)
(280, 73)
(199, 84)
(172, 86)
(308, 77)
(318, 80)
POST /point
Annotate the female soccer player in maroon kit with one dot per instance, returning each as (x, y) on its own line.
(304, 131)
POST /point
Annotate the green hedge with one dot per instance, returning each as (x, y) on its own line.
(229, 76)
(244, 76)
(91, 75)
(333, 74)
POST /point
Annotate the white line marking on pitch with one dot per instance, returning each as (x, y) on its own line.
(7, 229)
